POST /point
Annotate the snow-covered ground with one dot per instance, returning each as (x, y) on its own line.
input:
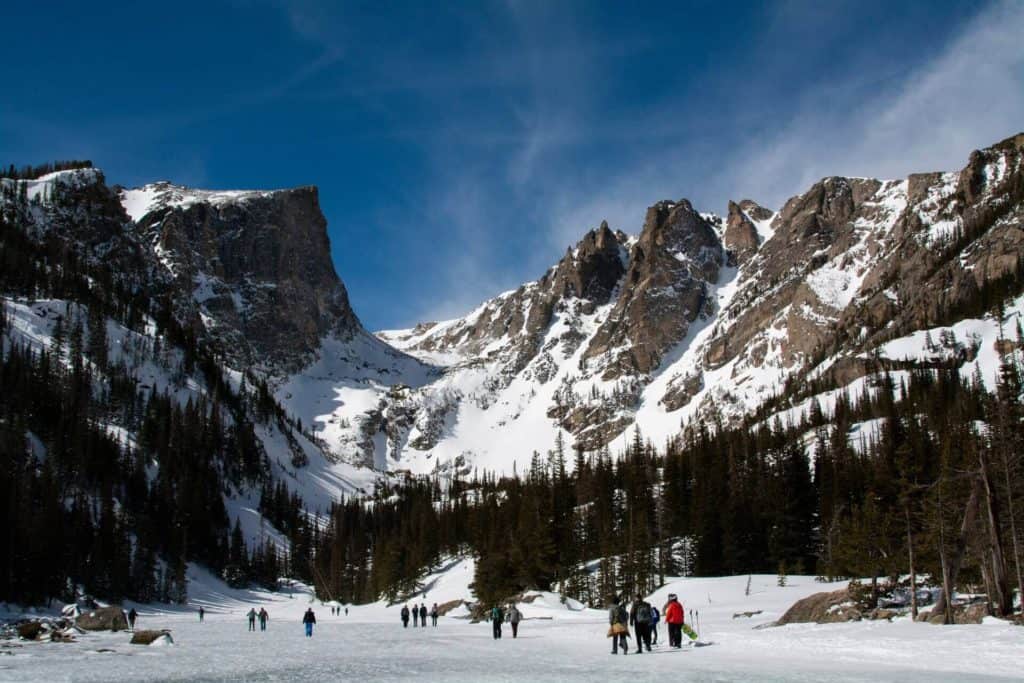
(556, 642)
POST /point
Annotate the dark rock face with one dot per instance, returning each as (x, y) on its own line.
(664, 289)
(740, 235)
(258, 266)
(593, 271)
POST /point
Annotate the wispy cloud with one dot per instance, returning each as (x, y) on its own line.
(881, 124)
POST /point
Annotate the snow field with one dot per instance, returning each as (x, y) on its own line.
(556, 643)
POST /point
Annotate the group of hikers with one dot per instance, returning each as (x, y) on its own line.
(253, 615)
(419, 615)
(336, 611)
(643, 617)
(498, 616)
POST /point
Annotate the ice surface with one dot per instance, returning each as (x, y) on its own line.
(556, 643)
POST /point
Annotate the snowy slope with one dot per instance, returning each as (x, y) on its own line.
(320, 482)
(826, 272)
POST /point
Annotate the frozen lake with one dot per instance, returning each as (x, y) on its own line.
(555, 644)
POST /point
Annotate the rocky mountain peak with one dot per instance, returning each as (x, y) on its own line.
(755, 211)
(256, 263)
(740, 234)
(677, 254)
(592, 269)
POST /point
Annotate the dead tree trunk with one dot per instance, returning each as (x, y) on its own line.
(913, 573)
(957, 560)
(1013, 527)
(1000, 581)
(947, 586)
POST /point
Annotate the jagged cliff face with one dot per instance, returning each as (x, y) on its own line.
(665, 288)
(257, 267)
(707, 318)
(695, 318)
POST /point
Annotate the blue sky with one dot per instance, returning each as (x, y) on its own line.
(459, 150)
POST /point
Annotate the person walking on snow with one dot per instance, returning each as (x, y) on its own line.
(252, 619)
(423, 615)
(309, 619)
(618, 628)
(405, 616)
(263, 619)
(673, 611)
(655, 618)
(497, 616)
(514, 617)
(202, 612)
(132, 616)
(415, 616)
(433, 615)
(640, 620)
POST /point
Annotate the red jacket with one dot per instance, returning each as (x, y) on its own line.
(673, 612)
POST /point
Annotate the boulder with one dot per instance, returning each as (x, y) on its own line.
(31, 630)
(971, 613)
(823, 608)
(103, 619)
(446, 607)
(150, 636)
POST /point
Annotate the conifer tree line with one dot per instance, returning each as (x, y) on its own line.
(108, 483)
(33, 172)
(934, 493)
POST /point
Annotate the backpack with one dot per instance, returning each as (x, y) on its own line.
(643, 615)
(622, 616)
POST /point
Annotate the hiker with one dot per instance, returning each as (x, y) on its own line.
(673, 612)
(655, 618)
(132, 616)
(497, 616)
(433, 615)
(415, 616)
(202, 612)
(405, 616)
(618, 629)
(514, 617)
(263, 619)
(423, 615)
(252, 618)
(346, 610)
(640, 619)
(309, 619)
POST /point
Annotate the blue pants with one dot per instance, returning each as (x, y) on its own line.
(309, 630)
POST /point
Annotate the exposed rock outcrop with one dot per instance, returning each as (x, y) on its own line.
(103, 619)
(257, 269)
(740, 235)
(822, 608)
(149, 637)
(676, 257)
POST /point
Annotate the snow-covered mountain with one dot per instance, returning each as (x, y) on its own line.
(700, 318)
(695, 318)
